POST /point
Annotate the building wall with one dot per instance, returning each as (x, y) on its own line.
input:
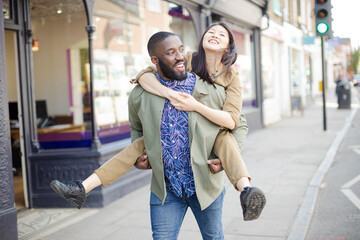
(300, 52)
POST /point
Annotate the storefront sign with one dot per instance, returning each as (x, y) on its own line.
(309, 40)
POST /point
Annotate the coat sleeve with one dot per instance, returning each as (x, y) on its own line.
(134, 119)
(233, 102)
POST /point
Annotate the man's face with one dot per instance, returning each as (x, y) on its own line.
(171, 59)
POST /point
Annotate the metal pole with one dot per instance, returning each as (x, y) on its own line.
(323, 79)
(95, 144)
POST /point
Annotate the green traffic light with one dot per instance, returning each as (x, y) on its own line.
(322, 28)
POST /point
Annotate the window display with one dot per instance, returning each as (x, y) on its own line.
(244, 64)
(61, 65)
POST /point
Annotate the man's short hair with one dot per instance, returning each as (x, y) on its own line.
(155, 39)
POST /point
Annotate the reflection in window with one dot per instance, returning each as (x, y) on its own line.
(60, 51)
(7, 9)
(277, 7)
(61, 65)
(153, 5)
(308, 74)
(295, 72)
(244, 65)
(268, 69)
(120, 52)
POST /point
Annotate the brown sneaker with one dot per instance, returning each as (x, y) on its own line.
(72, 191)
(252, 201)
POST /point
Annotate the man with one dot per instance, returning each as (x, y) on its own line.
(178, 145)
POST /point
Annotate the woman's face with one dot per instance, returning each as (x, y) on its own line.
(215, 39)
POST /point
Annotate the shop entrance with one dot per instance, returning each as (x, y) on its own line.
(14, 100)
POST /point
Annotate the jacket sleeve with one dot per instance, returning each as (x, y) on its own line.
(240, 131)
(149, 69)
(233, 102)
(134, 120)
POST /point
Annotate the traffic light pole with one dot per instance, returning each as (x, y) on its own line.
(323, 79)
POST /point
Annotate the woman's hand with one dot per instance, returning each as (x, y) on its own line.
(184, 102)
(173, 96)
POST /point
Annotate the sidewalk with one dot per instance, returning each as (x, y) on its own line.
(283, 159)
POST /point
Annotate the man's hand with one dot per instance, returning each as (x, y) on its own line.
(143, 162)
(215, 165)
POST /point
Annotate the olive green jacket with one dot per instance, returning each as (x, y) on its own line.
(145, 112)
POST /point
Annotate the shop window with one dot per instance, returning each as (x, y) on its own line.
(120, 52)
(268, 66)
(308, 74)
(61, 65)
(60, 56)
(153, 5)
(295, 71)
(244, 64)
(7, 9)
(277, 8)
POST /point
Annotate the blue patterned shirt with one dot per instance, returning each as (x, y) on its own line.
(175, 145)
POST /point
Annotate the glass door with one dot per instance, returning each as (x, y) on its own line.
(17, 139)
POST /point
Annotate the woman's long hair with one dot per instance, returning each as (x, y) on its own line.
(198, 62)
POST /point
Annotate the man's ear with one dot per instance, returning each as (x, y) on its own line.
(154, 60)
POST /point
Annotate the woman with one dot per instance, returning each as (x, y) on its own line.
(213, 64)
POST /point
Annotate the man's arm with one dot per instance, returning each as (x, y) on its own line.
(136, 128)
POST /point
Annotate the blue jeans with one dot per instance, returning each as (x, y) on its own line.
(166, 219)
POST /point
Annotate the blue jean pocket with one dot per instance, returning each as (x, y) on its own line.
(154, 200)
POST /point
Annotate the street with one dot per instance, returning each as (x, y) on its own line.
(337, 211)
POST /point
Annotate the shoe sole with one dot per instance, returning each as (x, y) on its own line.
(255, 203)
(73, 201)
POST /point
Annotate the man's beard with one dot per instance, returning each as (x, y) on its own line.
(170, 73)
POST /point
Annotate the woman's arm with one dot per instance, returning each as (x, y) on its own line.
(185, 102)
(233, 89)
(147, 79)
(152, 85)
(189, 103)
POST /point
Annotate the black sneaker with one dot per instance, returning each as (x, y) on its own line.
(252, 201)
(72, 191)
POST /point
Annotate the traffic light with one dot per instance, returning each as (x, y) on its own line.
(323, 18)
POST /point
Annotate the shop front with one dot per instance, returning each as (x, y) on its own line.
(297, 77)
(274, 74)
(73, 116)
